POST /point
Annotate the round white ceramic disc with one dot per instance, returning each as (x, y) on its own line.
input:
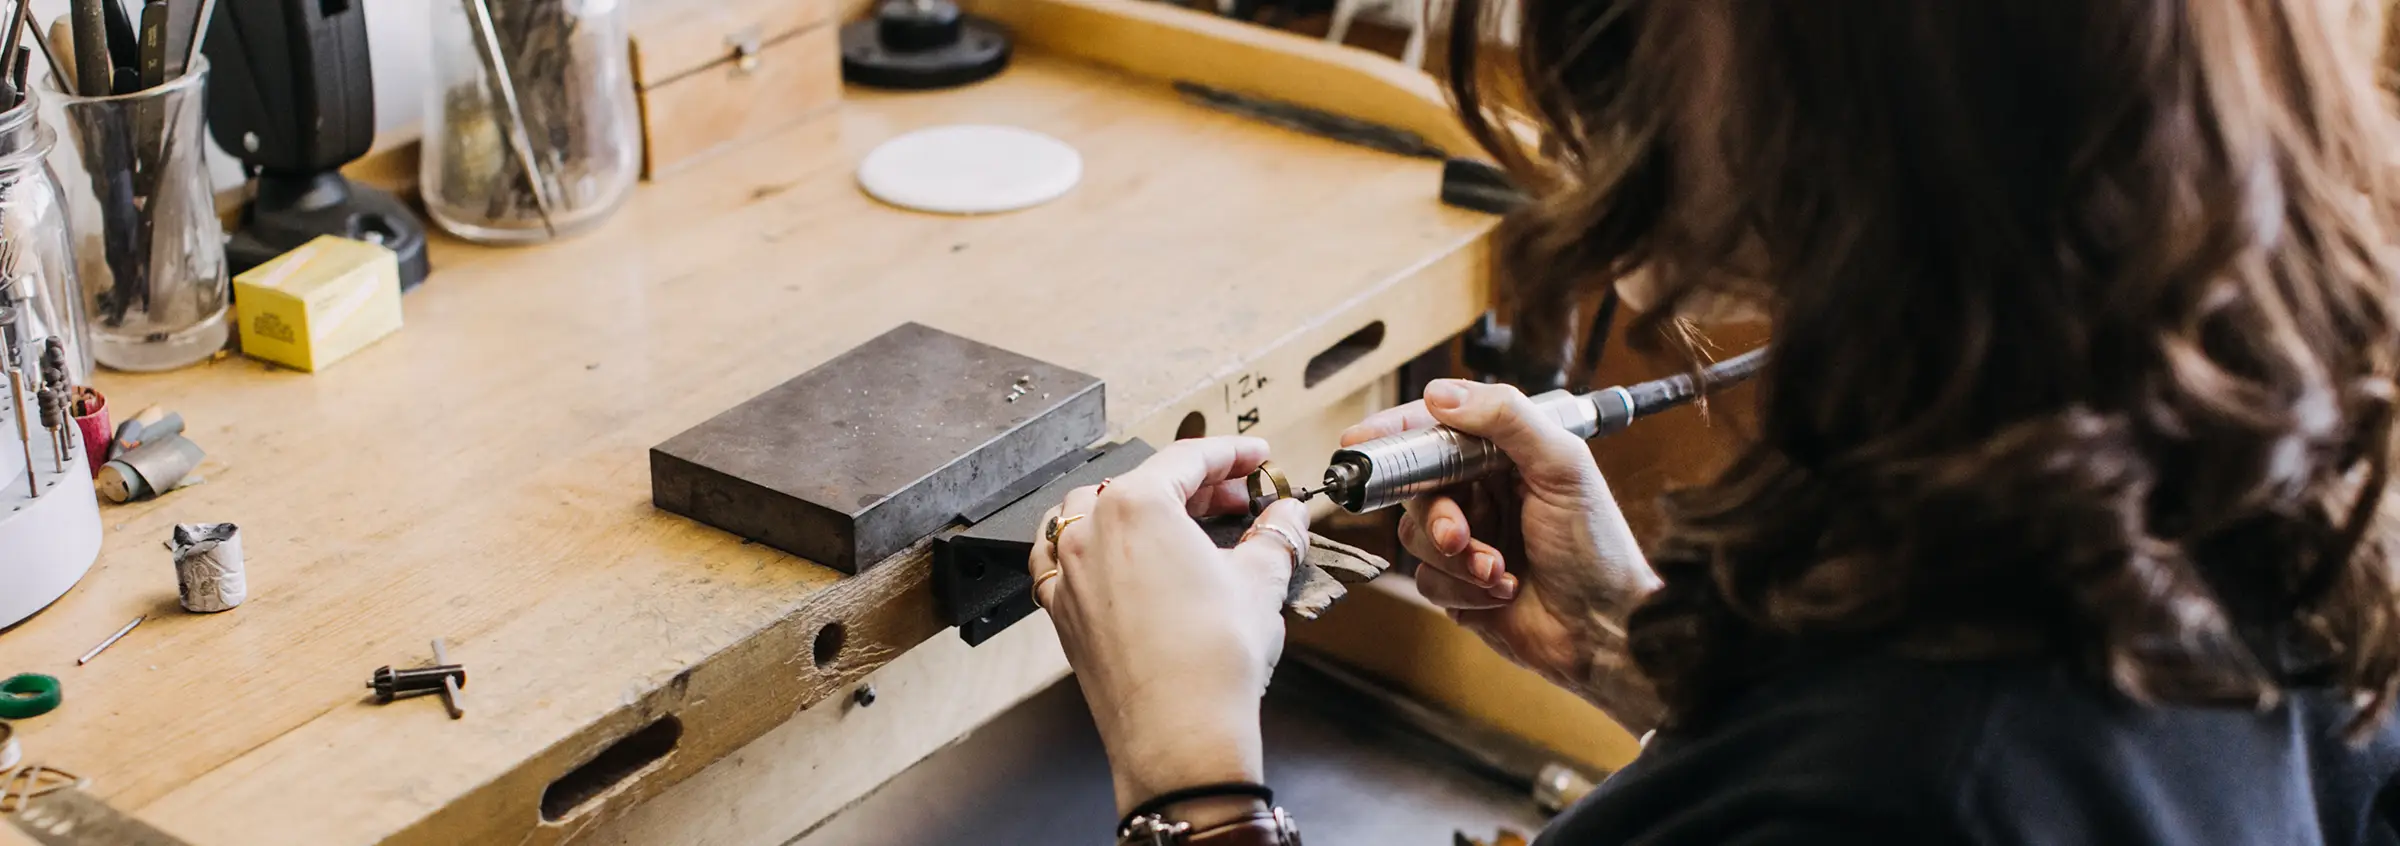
(970, 169)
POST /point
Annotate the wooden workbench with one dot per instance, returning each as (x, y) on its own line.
(481, 476)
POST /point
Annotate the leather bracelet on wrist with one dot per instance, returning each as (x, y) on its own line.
(1271, 827)
(1148, 824)
(1261, 827)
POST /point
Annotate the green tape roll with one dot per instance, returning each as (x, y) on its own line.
(27, 695)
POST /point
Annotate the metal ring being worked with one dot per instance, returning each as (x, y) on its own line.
(1046, 575)
(27, 695)
(1267, 485)
(1299, 549)
(1057, 525)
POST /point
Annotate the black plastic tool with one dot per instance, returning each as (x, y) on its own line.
(922, 44)
(979, 579)
(390, 684)
(291, 94)
(1471, 184)
(443, 679)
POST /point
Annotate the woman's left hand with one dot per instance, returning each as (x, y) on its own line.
(1171, 638)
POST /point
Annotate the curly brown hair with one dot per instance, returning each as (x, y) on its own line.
(2083, 315)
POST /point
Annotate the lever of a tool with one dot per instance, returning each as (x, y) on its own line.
(390, 684)
(1388, 471)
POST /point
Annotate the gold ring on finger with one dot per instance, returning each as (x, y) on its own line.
(1057, 525)
(1046, 575)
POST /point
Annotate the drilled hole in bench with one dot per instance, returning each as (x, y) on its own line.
(1194, 425)
(1349, 349)
(611, 766)
(829, 644)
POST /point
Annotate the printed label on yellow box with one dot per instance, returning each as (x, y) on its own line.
(317, 304)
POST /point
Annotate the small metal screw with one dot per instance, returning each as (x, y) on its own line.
(864, 696)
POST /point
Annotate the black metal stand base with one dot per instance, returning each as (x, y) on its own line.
(291, 210)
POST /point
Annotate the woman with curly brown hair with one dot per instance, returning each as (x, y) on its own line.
(2063, 520)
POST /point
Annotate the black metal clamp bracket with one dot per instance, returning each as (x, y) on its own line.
(979, 578)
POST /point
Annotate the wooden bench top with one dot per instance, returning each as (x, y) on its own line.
(481, 476)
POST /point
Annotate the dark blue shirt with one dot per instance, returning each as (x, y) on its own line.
(1890, 750)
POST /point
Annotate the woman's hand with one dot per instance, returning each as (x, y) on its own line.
(1172, 638)
(1538, 561)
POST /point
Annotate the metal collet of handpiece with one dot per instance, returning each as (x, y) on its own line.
(1388, 471)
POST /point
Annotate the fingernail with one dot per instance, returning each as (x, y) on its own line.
(1487, 569)
(1445, 394)
(1506, 588)
(1448, 537)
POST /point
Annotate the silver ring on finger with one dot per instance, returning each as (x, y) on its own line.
(1298, 548)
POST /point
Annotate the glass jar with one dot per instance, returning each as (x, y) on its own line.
(39, 298)
(149, 249)
(548, 145)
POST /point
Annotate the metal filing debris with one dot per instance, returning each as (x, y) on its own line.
(111, 641)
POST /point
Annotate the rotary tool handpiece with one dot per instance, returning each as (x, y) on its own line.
(1390, 470)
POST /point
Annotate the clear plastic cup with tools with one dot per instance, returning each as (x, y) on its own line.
(531, 130)
(148, 246)
(39, 297)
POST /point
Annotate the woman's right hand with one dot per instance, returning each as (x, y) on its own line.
(1538, 561)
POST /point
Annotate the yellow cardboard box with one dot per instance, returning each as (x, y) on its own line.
(322, 301)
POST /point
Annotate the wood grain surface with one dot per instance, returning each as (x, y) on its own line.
(480, 476)
(1166, 41)
(697, 96)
